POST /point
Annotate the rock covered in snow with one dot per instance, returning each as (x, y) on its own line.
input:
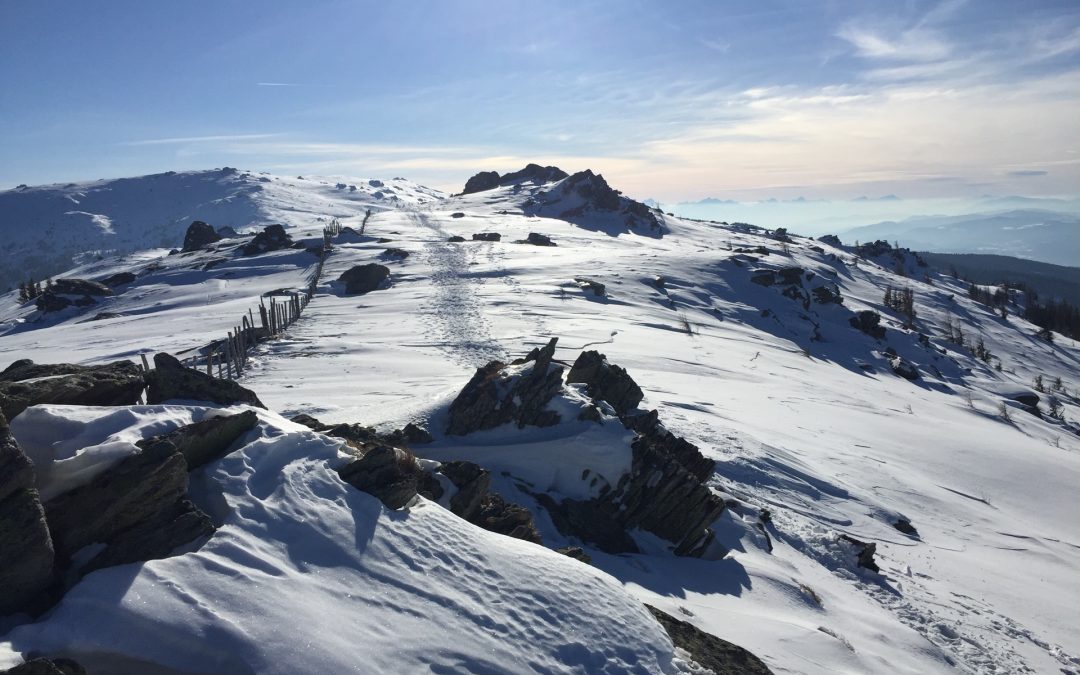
(25, 383)
(170, 379)
(205, 441)
(389, 474)
(199, 235)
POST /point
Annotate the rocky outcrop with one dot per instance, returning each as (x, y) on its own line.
(864, 552)
(364, 278)
(475, 503)
(497, 395)
(763, 277)
(606, 382)
(26, 549)
(170, 379)
(396, 253)
(227, 232)
(532, 173)
(206, 441)
(904, 368)
(831, 240)
(272, 238)
(25, 383)
(485, 180)
(389, 474)
(199, 235)
(824, 295)
(137, 509)
(64, 293)
(455, 239)
(719, 656)
(487, 236)
(867, 321)
(119, 279)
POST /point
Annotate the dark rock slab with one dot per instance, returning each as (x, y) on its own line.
(117, 383)
(364, 278)
(831, 240)
(487, 236)
(398, 253)
(170, 379)
(174, 526)
(719, 656)
(206, 441)
(824, 295)
(16, 469)
(493, 397)
(131, 492)
(904, 368)
(456, 239)
(81, 287)
(606, 382)
(790, 275)
(26, 553)
(763, 277)
(199, 235)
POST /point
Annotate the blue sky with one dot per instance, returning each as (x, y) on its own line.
(672, 100)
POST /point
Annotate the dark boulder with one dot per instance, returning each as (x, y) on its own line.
(364, 278)
(26, 549)
(719, 656)
(170, 379)
(831, 240)
(867, 321)
(593, 189)
(763, 277)
(130, 493)
(790, 275)
(595, 287)
(485, 180)
(487, 236)
(904, 525)
(117, 383)
(472, 483)
(537, 239)
(118, 279)
(456, 239)
(398, 253)
(606, 382)
(206, 441)
(457, 214)
(199, 235)
(389, 474)
(64, 293)
(493, 397)
(272, 238)
(80, 287)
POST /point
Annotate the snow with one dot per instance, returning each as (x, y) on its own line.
(802, 414)
(307, 574)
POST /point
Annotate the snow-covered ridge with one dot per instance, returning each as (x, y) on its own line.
(815, 432)
(45, 229)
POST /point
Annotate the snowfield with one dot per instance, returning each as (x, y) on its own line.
(813, 434)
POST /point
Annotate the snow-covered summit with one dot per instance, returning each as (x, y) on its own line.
(47, 228)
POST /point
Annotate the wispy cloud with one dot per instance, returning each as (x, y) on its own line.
(1031, 173)
(916, 44)
(201, 139)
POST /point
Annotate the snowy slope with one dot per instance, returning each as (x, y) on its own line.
(46, 228)
(801, 412)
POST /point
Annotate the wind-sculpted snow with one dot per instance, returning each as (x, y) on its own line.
(306, 574)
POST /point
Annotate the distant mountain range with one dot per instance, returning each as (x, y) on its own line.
(1036, 234)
